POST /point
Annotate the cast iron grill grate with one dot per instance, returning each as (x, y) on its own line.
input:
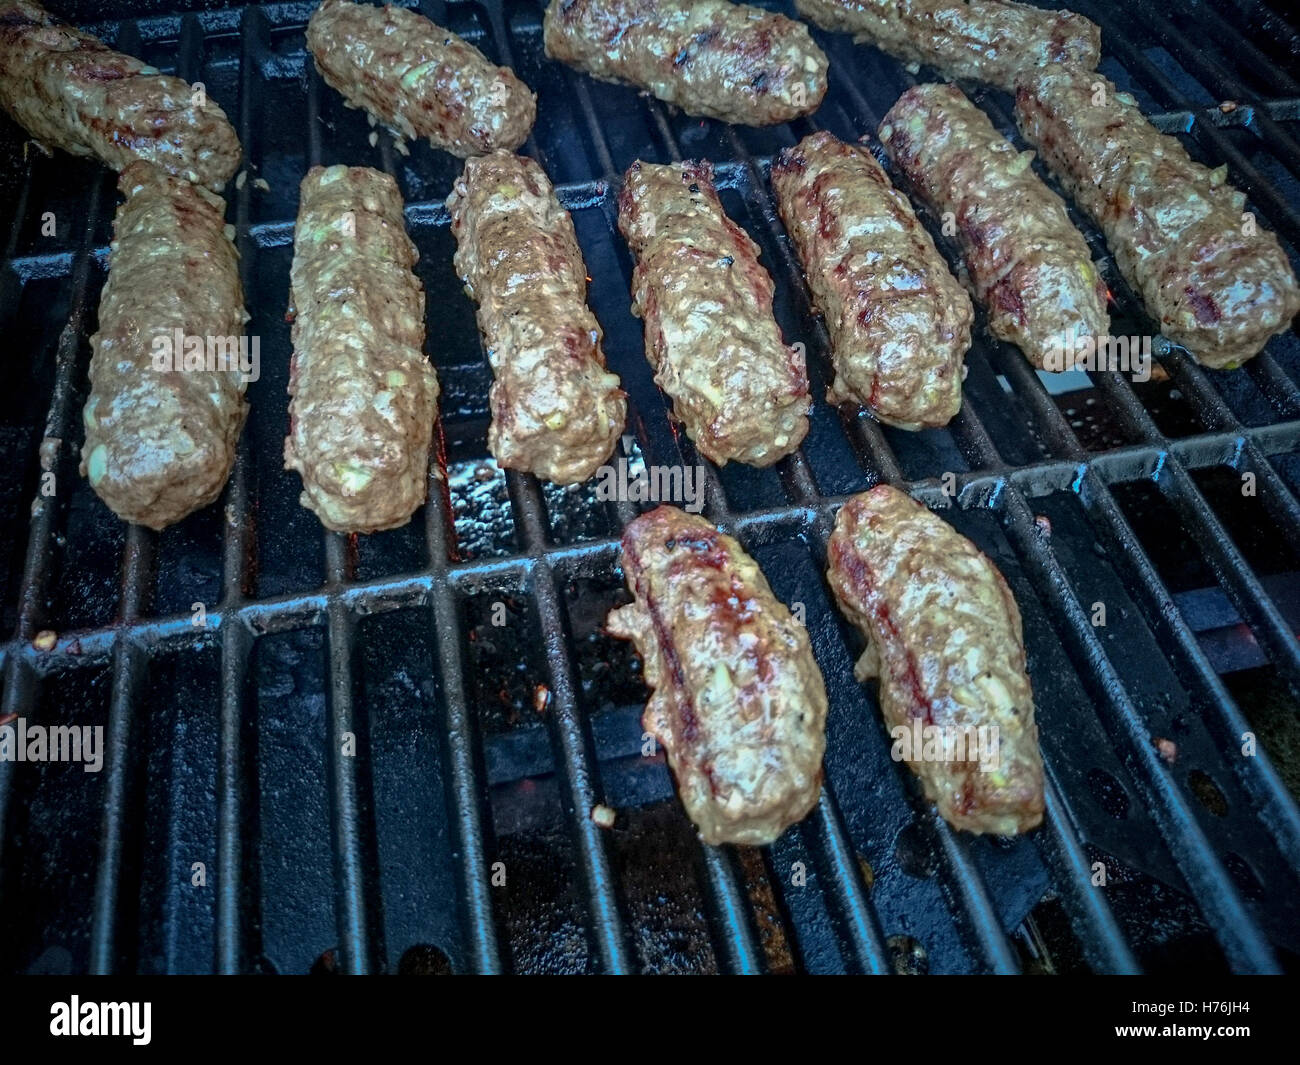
(229, 830)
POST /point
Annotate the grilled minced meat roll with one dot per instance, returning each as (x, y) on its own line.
(899, 322)
(71, 91)
(364, 397)
(1029, 266)
(736, 386)
(160, 440)
(712, 58)
(737, 699)
(944, 639)
(419, 79)
(985, 40)
(556, 411)
(1217, 285)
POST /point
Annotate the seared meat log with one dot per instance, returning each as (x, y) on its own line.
(997, 41)
(728, 61)
(944, 639)
(69, 90)
(740, 391)
(556, 410)
(1029, 266)
(160, 438)
(364, 397)
(737, 699)
(419, 78)
(1217, 284)
(899, 322)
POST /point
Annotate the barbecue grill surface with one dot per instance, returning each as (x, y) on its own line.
(462, 657)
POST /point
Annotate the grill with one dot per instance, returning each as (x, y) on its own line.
(382, 753)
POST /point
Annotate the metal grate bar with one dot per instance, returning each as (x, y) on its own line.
(130, 663)
(349, 900)
(21, 671)
(738, 947)
(571, 735)
(467, 788)
(236, 568)
(129, 666)
(846, 889)
(289, 611)
(1091, 918)
(293, 610)
(350, 891)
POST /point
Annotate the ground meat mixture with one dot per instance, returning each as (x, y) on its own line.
(737, 699)
(556, 410)
(944, 639)
(899, 322)
(71, 91)
(363, 396)
(160, 440)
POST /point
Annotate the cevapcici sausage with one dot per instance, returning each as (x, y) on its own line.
(160, 439)
(737, 699)
(733, 62)
(71, 91)
(1030, 267)
(364, 397)
(1216, 283)
(419, 78)
(996, 41)
(899, 322)
(944, 638)
(740, 391)
(556, 410)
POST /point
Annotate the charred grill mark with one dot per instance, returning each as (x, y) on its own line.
(789, 161)
(664, 639)
(1203, 305)
(850, 563)
(738, 697)
(103, 73)
(1006, 298)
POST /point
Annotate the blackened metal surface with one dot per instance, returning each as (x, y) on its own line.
(382, 753)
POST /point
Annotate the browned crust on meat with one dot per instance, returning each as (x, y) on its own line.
(899, 322)
(737, 387)
(420, 79)
(1029, 266)
(160, 442)
(713, 58)
(71, 91)
(1216, 286)
(737, 699)
(997, 41)
(556, 410)
(944, 639)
